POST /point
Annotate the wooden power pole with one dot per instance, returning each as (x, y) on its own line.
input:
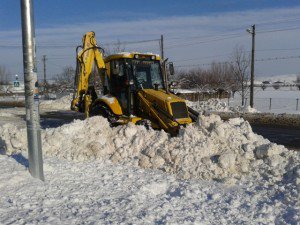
(45, 79)
(162, 47)
(252, 32)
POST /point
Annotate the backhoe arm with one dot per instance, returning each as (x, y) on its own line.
(87, 57)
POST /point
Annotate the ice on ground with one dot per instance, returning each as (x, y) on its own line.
(217, 105)
(210, 149)
(63, 103)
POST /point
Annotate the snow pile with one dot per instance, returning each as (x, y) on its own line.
(216, 105)
(243, 109)
(63, 103)
(210, 149)
(6, 114)
(94, 192)
(209, 105)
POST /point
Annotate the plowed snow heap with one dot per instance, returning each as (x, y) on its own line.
(209, 149)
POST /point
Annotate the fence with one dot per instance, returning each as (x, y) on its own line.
(274, 105)
(203, 96)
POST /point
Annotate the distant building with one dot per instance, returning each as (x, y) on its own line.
(266, 82)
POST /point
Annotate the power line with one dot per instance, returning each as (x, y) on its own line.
(232, 37)
(208, 57)
(278, 49)
(215, 38)
(278, 30)
(279, 21)
(73, 46)
(235, 29)
(257, 60)
(228, 54)
(202, 42)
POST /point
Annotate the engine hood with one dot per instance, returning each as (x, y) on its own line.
(168, 103)
(161, 95)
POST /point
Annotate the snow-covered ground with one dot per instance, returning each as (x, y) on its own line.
(94, 192)
(219, 105)
(283, 100)
(63, 103)
(214, 172)
(287, 78)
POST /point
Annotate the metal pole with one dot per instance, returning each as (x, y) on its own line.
(45, 80)
(297, 105)
(162, 47)
(252, 67)
(31, 91)
(270, 105)
(164, 66)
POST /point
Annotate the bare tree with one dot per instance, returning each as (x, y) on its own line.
(65, 80)
(240, 68)
(218, 77)
(115, 48)
(3, 75)
(298, 82)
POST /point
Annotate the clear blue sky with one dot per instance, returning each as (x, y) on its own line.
(52, 12)
(190, 28)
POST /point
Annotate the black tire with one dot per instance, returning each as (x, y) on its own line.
(103, 110)
(146, 123)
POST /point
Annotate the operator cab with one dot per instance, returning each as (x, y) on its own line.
(130, 72)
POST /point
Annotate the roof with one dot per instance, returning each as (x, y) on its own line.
(129, 55)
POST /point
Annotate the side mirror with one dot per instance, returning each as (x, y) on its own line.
(174, 84)
(116, 68)
(171, 68)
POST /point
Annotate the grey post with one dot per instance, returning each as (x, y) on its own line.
(252, 32)
(45, 80)
(162, 47)
(35, 157)
(297, 104)
(270, 105)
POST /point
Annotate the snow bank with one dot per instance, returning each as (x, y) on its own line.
(260, 180)
(216, 105)
(63, 103)
(210, 149)
(94, 192)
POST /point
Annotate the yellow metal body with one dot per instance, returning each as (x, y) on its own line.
(112, 103)
(86, 58)
(153, 105)
(156, 104)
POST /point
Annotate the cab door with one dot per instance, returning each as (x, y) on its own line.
(119, 83)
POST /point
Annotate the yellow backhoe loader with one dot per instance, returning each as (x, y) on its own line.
(133, 85)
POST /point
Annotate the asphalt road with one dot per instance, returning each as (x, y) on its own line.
(283, 136)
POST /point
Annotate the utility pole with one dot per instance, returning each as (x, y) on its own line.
(45, 80)
(252, 32)
(35, 157)
(162, 47)
(164, 66)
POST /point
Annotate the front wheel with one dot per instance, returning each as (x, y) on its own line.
(144, 122)
(103, 110)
